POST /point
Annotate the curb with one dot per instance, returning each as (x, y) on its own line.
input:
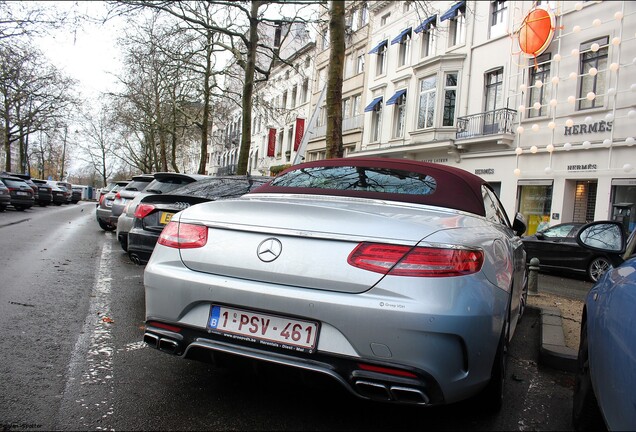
(553, 351)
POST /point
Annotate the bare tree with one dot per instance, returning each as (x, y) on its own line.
(239, 23)
(335, 79)
(35, 95)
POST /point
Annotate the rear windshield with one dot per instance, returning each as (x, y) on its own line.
(220, 187)
(349, 178)
(14, 183)
(137, 185)
(167, 184)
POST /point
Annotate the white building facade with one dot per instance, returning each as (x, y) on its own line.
(446, 82)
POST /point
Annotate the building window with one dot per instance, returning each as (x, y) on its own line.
(539, 93)
(376, 123)
(406, 7)
(346, 108)
(380, 62)
(493, 100)
(348, 66)
(360, 63)
(305, 90)
(498, 18)
(294, 96)
(357, 103)
(385, 19)
(426, 112)
(284, 101)
(457, 24)
(596, 83)
(429, 39)
(405, 50)
(399, 116)
(354, 20)
(450, 98)
(364, 14)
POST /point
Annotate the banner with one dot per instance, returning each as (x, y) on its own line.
(300, 131)
(271, 143)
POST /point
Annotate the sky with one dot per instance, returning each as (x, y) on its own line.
(88, 54)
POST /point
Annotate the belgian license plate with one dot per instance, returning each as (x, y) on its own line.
(22, 193)
(271, 330)
(165, 218)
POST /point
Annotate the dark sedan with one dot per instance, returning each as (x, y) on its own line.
(155, 211)
(21, 192)
(45, 193)
(5, 197)
(557, 249)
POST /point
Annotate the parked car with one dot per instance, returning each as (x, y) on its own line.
(27, 180)
(76, 194)
(126, 194)
(63, 186)
(59, 195)
(103, 211)
(20, 192)
(604, 393)
(103, 191)
(45, 193)
(162, 183)
(402, 280)
(153, 212)
(5, 197)
(557, 250)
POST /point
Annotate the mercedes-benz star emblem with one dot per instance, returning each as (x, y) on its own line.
(269, 249)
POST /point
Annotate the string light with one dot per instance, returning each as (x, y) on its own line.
(550, 148)
(587, 145)
(548, 170)
(518, 151)
(569, 122)
(551, 125)
(607, 142)
(533, 149)
(629, 141)
(592, 71)
(567, 146)
(596, 23)
(535, 128)
(627, 167)
(520, 130)
(517, 172)
(591, 96)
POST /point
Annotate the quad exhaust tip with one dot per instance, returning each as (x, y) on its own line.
(388, 393)
(163, 344)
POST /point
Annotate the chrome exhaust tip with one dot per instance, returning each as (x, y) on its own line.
(167, 345)
(151, 340)
(134, 258)
(409, 395)
(371, 390)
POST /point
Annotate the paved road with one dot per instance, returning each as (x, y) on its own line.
(569, 287)
(71, 314)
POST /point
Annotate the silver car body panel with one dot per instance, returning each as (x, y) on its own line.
(447, 327)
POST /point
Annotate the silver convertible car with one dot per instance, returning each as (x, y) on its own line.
(402, 280)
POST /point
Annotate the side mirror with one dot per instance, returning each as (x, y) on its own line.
(519, 224)
(539, 235)
(603, 236)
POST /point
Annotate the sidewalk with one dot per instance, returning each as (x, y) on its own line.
(560, 302)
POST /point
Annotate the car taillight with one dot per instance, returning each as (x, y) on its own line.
(101, 198)
(143, 210)
(183, 236)
(398, 260)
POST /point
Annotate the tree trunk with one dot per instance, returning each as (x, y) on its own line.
(248, 90)
(334, 79)
(205, 122)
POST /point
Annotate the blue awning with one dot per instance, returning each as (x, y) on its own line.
(401, 36)
(396, 96)
(426, 24)
(373, 103)
(378, 47)
(452, 12)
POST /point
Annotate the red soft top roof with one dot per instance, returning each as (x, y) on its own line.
(456, 188)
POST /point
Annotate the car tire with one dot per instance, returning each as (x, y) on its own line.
(490, 400)
(586, 414)
(123, 242)
(2, 208)
(597, 267)
(103, 225)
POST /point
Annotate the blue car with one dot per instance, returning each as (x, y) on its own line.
(605, 388)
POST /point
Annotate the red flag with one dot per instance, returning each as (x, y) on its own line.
(271, 143)
(300, 131)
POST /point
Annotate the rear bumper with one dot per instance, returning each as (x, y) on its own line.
(141, 243)
(418, 388)
(445, 331)
(22, 202)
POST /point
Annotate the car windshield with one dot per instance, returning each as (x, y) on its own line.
(218, 187)
(136, 185)
(165, 185)
(561, 231)
(384, 180)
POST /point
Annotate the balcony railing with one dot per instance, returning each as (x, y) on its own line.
(496, 122)
(347, 124)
